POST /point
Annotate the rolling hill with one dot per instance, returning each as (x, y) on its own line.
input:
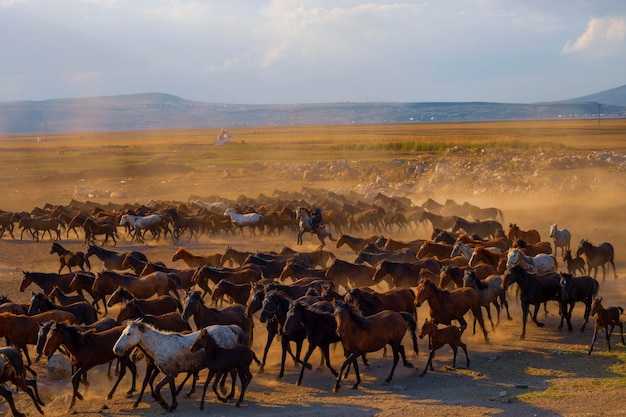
(165, 111)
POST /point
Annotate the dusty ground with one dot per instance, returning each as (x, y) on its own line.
(547, 374)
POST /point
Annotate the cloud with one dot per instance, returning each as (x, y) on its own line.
(604, 36)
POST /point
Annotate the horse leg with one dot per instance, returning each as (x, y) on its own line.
(405, 362)
(326, 353)
(454, 352)
(538, 323)
(478, 313)
(9, 397)
(396, 357)
(464, 346)
(151, 372)
(75, 393)
(270, 339)
(593, 340)
(133, 369)
(525, 311)
(607, 334)
(206, 384)
(304, 362)
(157, 392)
(351, 358)
(215, 383)
(431, 355)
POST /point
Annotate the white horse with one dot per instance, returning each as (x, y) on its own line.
(170, 351)
(561, 238)
(538, 265)
(252, 220)
(305, 222)
(142, 223)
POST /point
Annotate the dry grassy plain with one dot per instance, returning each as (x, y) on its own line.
(538, 173)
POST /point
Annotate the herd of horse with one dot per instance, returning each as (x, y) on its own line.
(464, 266)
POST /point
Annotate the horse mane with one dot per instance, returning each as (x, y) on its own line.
(354, 314)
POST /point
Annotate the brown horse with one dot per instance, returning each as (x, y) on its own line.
(193, 261)
(355, 243)
(319, 257)
(12, 369)
(597, 256)
(203, 274)
(87, 350)
(370, 302)
(404, 274)
(295, 271)
(401, 255)
(94, 228)
(455, 274)
(501, 243)
(446, 306)
(360, 335)
(204, 316)
(605, 317)
(433, 249)
(437, 338)
(533, 249)
(22, 330)
(350, 275)
(160, 305)
(159, 283)
(69, 259)
(171, 321)
(488, 256)
(233, 255)
(238, 293)
(47, 281)
(529, 236)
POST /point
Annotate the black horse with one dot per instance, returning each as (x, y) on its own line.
(534, 289)
(574, 289)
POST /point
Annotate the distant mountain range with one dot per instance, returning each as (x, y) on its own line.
(164, 111)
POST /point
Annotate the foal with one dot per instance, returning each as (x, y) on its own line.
(605, 317)
(437, 338)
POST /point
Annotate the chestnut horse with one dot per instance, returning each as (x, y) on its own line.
(192, 261)
(22, 330)
(446, 306)
(530, 236)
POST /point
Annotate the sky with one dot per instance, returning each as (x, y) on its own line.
(312, 51)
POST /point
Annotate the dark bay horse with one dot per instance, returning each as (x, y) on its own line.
(205, 316)
(486, 228)
(403, 274)
(87, 350)
(360, 335)
(597, 256)
(350, 275)
(534, 289)
(69, 259)
(159, 283)
(160, 305)
(446, 306)
(84, 312)
(12, 369)
(112, 259)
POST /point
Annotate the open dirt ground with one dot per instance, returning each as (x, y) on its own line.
(547, 374)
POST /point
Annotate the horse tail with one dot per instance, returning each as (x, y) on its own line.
(410, 321)
(499, 214)
(254, 357)
(621, 310)
(176, 280)
(87, 263)
(248, 328)
(179, 305)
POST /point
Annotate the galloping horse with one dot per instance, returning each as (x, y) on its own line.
(360, 335)
(141, 224)
(561, 238)
(69, 258)
(597, 256)
(193, 261)
(251, 220)
(304, 218)
(112, 259)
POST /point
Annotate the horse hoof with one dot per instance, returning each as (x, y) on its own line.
(540, 324)
(355, 386)
(409, 365)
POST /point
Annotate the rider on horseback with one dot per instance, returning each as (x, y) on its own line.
(316, 218)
